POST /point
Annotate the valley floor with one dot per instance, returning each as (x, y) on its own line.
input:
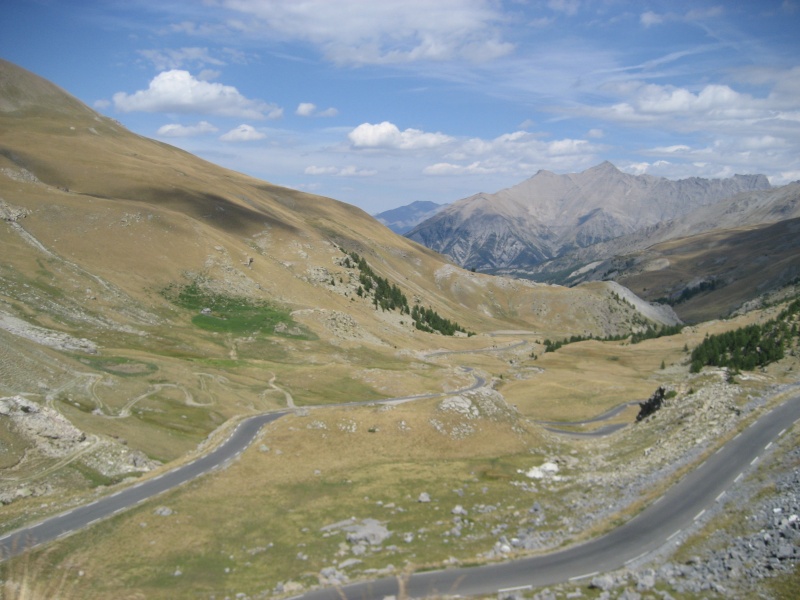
(331, 495)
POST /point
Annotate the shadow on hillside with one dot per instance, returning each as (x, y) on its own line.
(220, 211)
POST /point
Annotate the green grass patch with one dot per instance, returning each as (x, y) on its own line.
(233, 314)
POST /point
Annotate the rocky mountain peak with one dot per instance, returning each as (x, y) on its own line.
(755, 182)
(603, 167)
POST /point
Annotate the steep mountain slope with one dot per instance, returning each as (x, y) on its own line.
(549, 215)
(747, 209)
(404, 218)
(708, 275)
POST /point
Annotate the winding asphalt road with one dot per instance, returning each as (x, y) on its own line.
(68, 522)
(555, 426)
(660, 524)
(61, 525)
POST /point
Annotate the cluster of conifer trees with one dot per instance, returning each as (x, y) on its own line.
(655, 332)
(426, 319)
(689, 293)
(388, 296)
(649, 333)
(749, 347)
(385, 295)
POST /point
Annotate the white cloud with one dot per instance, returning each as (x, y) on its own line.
(307, 109)
(713, 106)
(595, 133)
(315, 170)
(761, 142)
(177, 91)
(444, 168)
(243, 133)
(677, 148)
(699, 14)
(177, 58)
(568, 147)
(358, 32)
(177, 130)
(517, 152)
(523, 145)
(388, 136)
(208, 75)
(785, 84)
(726, 155)
(639, 168)
(351, 171)
(649, 18)
(348, 171)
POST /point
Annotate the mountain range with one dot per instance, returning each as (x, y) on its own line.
(549, 215)
(663, 239)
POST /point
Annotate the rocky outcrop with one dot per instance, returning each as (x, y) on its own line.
(46, 337)
(8, 212)
(51, 433)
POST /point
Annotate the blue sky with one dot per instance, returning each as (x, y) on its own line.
(383, 102)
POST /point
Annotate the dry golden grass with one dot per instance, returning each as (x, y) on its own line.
(582, 380)
(270, 505)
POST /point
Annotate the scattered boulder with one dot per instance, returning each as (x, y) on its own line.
(603, 582)
(547, 470)
(361, 533)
